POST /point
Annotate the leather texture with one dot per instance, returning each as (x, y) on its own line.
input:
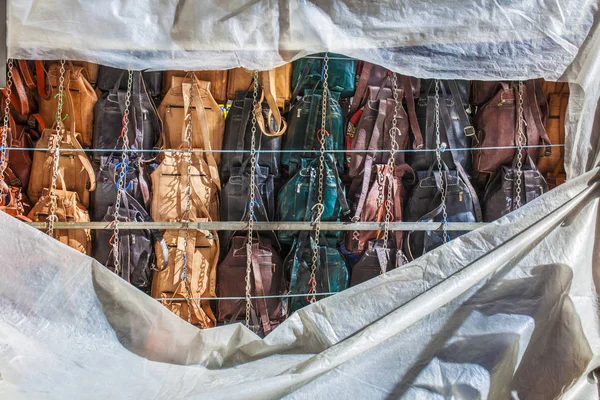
(73, 166)
(79, 101)
(297, 197)
(108, 77)
(240, 80)
(145, 126)
(202, 254)
(91, 70)
(375, 261)
(501, 192)
(107, 170)
(266, 279)
(304, 122)
(558, 102)
(208, 124)
(238, 137)
(168, 185)
(20, 161)
(12, 199)
(497, 123)
(136, 249)
(307, 72)
(68, 209)
(456, 129)
(217, 79)
(424, 205)
(331, 273)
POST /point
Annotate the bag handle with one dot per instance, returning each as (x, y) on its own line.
(85, 162)
(267, 83)
(260, 290)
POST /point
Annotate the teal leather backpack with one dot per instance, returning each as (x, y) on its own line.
(341, 72)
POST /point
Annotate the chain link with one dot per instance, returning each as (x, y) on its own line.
(252, 200)
(5, 124)
(55, 148)
(439, 148)
(319, 206)
(121, 180)
(521, 140)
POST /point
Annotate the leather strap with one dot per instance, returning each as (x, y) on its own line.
(302, 78)
(43, 86)
(85, 162)
(267, 82)
(19, 101)
(532, 104)
(260, 290)
(361, 87)
(27, 75)
(412, 113)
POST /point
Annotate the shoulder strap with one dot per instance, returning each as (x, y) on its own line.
(267, 83)
(43, 86)
(412, 114)
(27, 75)
(532, 104)
(302, 78)
(85, 162)
(260, 290)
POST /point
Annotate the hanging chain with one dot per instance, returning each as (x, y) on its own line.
(319, 206)
(439, 147)
(391, 166)
(252, 200)
(5, 125)
(520, 143)
(187, 213)
(55, 148)
(121, 182)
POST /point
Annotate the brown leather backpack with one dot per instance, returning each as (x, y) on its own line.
(558, 100)
(497, 123)
(21, 136)
(217, 79)
(68, 209)
(240, 80)
(266, 279)
(208, 123)
(12, 200)
(168, 187)
(80, 99)
(199, 282)
(74, 166)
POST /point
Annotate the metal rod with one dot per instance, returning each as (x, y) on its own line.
(272, 151)
(267, 226)
(276, 296)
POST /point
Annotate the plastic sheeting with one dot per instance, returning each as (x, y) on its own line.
(507, 311)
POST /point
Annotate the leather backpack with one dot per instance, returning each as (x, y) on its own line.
(307, 72)
(497, 123)
(240, 79)
(425, 205)
(136, 249)
(376, 261)
(217, 79)
(22, 136)
(297, 197)
(68, 209)
(456, 130)
(500, 193)
(208, 123)
(200, 281)
(107, 171)
(266, 279)
(91, 69)
(73, 165)
(22, 99)
(79, 101)
(144, 131)
(552, 166)
(331, 274)
(168, 188)
(109, 77)
(12, 199)
(238, 137)
(304, 122)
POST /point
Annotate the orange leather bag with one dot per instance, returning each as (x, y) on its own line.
(217, 79)
(241, 81)
(208, 124)
(79, 102)
(74, 167)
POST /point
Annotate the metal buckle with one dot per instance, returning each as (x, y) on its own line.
(469, 130)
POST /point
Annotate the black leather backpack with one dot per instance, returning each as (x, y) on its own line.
(108, 77)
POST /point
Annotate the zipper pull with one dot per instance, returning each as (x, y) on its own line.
(299, 110)
(501, 103)
(168, 109)
(298, 188)
(460, 196)
(274, 266)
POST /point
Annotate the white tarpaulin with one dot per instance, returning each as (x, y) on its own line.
(507, 311)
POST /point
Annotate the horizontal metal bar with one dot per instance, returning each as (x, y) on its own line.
(119, 151)
(267, 226)
(277, 296)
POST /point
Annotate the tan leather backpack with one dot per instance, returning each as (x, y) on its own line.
(74, 166)
(168, 188)
(217, 79)
(199, 282)
(68, 209)
(241, 81)
(80, 99)
(208, 124)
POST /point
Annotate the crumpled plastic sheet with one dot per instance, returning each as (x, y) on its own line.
(507, 311)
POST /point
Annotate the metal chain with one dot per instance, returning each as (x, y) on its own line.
(439, 148)
(319, 206)
(121, 180)
(252, 200)
(187, 214)
(55, 148)
(391, 165)
(5, 125)
(521, 140)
